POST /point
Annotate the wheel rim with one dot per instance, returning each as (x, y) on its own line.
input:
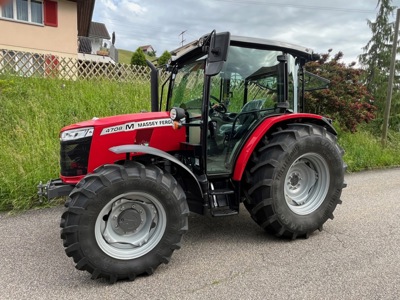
(307, 183)
(130, 225)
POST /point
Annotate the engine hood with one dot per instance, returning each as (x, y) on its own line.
(128, 121)
(153, 129)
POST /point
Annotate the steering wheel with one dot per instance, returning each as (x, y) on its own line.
(220, 107)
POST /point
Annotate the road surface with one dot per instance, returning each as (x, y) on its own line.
(356, 256)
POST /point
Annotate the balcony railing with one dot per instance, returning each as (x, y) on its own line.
(96, 46)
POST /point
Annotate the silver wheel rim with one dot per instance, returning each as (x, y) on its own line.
(307, 183)
(130, 225)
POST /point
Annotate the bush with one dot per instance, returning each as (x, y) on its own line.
(347, 100)
(138, 58)
(164, 58)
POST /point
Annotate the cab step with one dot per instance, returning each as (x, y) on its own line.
(223, 211)
(221, 192)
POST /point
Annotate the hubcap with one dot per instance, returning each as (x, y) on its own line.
(129, 221)
(130, 225)
(307, 183)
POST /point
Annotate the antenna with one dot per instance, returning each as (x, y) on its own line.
(182, 40)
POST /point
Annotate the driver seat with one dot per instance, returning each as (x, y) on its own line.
(242, 119)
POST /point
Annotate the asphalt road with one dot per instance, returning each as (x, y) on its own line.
(356, 256)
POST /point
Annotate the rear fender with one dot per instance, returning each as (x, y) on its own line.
(269, 125)
(190, 178)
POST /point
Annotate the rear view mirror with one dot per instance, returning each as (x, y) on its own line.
(217, 52)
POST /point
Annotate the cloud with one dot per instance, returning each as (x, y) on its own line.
(318, 24)
(109, 4)
(129, 7)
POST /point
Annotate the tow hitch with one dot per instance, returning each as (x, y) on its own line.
(53, 189)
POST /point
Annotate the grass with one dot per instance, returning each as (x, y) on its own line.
(124, 56)
(33, 111)
(363, 150)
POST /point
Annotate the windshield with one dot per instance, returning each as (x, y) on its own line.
(187, 87)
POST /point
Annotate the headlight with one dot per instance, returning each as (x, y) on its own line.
(76, 134)
(172, 114)
(177, 113)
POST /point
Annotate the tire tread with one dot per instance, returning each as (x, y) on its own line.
(88, 188)
(264, 160)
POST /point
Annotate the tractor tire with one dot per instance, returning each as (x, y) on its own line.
(294, 180)
(121, 222)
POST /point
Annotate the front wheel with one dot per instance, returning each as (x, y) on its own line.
(124, 221)
(294, 180)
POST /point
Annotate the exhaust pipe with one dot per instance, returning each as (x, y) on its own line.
(153, 86)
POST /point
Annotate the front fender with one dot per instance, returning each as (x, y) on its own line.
(156, 152)
(265, 127)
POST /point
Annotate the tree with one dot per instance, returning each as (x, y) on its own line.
(377, 55)
(138, 58)
(347, 100)
(164, 58)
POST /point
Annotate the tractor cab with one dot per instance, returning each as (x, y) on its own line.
(221, 106)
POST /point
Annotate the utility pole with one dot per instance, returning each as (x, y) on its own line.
(391, 77)
(182, 40)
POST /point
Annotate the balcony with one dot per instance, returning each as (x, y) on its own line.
(97, 49)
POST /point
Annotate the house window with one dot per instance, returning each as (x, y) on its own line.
(24, 10)
(37, 11)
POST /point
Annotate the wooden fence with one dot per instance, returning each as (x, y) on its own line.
(28, 64)
(47, 65)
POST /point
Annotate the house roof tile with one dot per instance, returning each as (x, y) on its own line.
(98, 30)
(147, 48)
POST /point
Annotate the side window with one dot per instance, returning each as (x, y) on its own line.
(227, 88)
(187, 89)
(314, 82)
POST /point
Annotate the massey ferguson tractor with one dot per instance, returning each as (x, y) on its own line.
(228, 127)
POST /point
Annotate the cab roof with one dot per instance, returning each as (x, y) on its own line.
(257, 43)
(193, 49)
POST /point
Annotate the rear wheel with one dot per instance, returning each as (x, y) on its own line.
(294, 180)
(122, 222)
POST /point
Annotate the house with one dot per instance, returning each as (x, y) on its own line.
(148, 49)
(97, 45)
(45, 26)
(41, 36)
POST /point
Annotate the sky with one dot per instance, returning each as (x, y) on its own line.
(340, 25)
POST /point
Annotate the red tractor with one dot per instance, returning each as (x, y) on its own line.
(228, 128)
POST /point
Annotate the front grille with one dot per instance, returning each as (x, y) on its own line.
(74, 157)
